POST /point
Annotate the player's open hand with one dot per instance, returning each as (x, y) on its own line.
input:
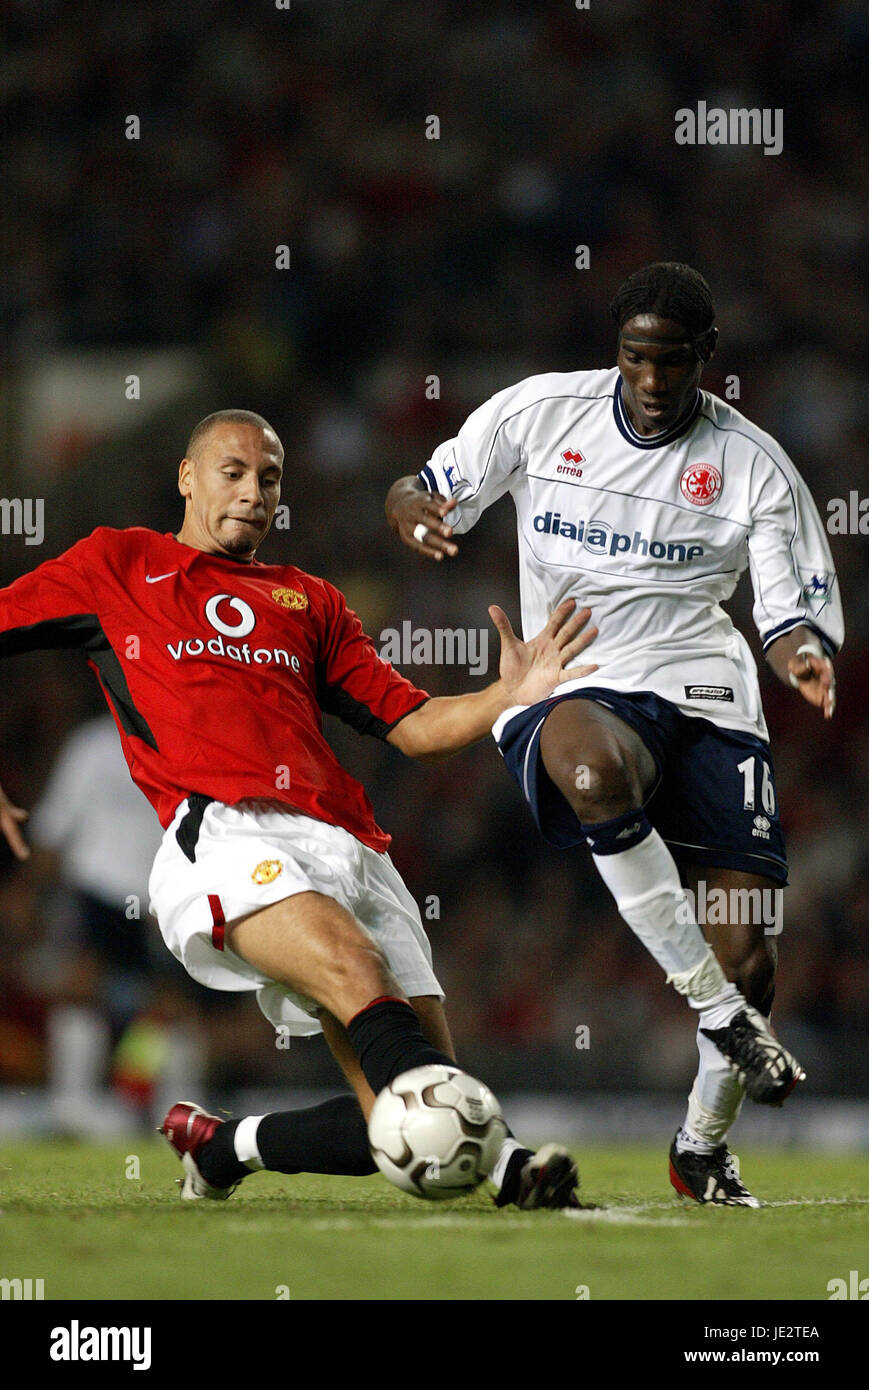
(418, 517)
(814, 678)
(10, 819)
(532, 670)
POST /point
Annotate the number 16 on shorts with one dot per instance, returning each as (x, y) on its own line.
(765, 789)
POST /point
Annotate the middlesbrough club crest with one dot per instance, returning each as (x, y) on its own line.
(701, 484)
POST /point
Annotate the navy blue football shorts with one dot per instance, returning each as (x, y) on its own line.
(714, 801)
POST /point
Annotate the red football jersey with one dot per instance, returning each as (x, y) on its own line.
(217, 672)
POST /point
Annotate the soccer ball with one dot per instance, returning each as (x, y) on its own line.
(436, 1132)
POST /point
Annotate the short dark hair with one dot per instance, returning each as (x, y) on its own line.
(672, 291)
(234, 417)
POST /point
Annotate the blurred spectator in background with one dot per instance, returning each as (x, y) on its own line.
(120, 1015)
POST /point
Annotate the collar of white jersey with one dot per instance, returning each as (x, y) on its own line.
(652, 441)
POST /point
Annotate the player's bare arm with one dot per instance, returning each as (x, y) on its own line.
(529, 671)
(798, 659)
(417, 516)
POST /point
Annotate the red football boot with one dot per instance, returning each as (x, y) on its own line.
(186, 1128)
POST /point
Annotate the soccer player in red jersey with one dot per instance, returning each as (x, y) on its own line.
(273, 874)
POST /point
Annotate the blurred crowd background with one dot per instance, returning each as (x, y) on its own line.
(424, 274)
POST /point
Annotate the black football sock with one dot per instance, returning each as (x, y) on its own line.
(388, 1040)
(327, 1138)
(217, 1160)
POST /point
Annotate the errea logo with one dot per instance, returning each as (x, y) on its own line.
(570, 466)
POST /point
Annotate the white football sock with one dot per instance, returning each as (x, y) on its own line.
(645, 883)
(687, 1142)
(508, 1148)
(714, 1103)
(244, 1142)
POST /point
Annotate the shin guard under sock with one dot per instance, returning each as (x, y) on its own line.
(388, 1040)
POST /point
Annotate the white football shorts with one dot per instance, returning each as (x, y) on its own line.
(254, 854)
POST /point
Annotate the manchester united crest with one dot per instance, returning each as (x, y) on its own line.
(267, 871)
(700, 483)
(290, 598)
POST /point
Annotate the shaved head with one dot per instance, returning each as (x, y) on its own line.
(230, 479)
(228, 417)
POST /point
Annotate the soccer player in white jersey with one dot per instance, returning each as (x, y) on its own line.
(645, 498)
(272, 875)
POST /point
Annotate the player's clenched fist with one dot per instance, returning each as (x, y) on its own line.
(417, 516)
(10, 819)
(811, 673)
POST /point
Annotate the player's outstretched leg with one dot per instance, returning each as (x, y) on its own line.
(312, 944)
(640, 872)
(217, 1154)
(333, 1137)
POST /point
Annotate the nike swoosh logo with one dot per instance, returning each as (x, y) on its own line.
(155, 578)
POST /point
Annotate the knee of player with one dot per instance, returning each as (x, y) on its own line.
(604, 782)
(359, 961)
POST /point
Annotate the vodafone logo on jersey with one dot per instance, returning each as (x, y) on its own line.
(246, 616)
(220, 611)
(700, 484)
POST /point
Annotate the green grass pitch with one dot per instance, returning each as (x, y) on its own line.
(72, 1217)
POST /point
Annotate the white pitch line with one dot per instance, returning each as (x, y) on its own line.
(636, 1214)
(402, 1223)
(621, 1216)
(611, 1215)
(788, 1202)
(821, 1202)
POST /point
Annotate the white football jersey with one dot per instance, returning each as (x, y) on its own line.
(651, 532)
